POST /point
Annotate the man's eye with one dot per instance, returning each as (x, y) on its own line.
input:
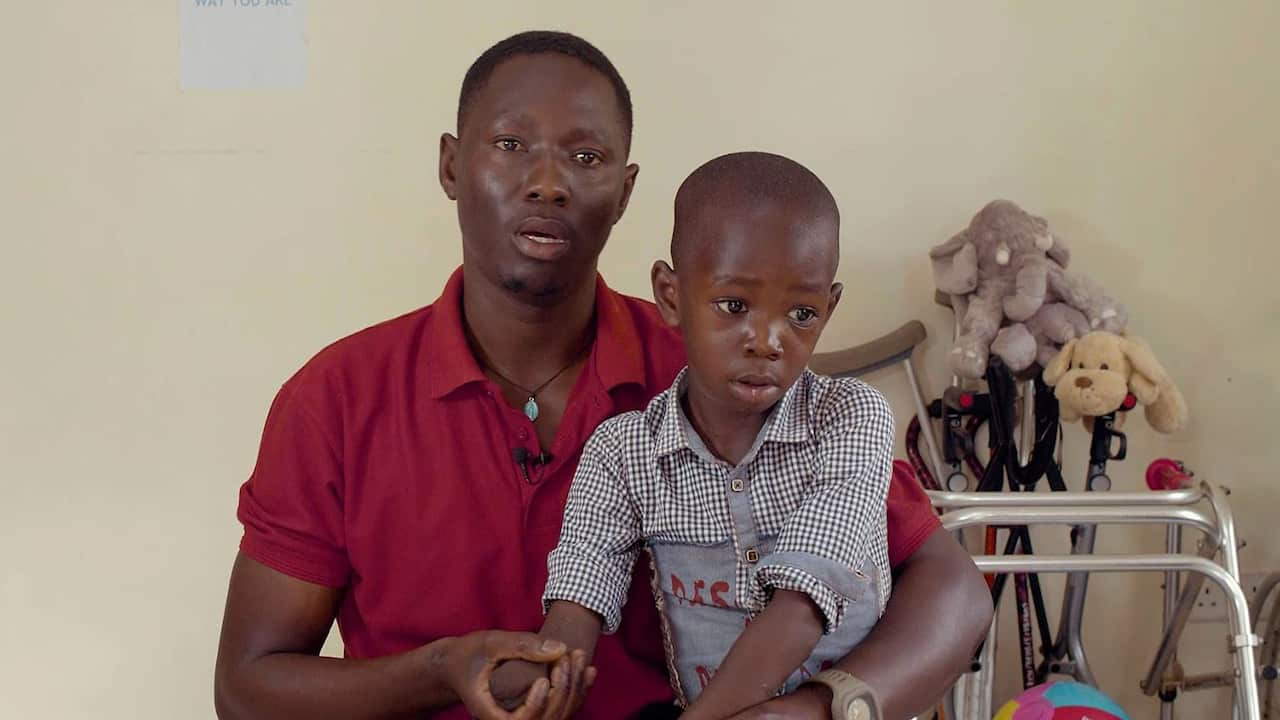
(803, 315)
(731, 306)
(587, 157)
(508, 144)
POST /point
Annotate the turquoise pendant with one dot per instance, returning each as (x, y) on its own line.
(531, 409)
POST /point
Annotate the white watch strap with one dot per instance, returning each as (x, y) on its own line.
(851, 698)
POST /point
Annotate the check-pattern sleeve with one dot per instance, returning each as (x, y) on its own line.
(833, 546)
(600, 538)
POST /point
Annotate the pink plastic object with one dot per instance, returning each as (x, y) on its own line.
(1167, 474)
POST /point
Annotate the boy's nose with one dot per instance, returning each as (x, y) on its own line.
(763, 340)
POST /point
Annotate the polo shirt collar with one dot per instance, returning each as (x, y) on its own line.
(788, 421)
(617, 355)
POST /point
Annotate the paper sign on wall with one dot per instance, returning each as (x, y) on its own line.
(242, 44)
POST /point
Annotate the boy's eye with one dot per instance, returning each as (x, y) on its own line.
(508, 144)
(803, 315)
(588, 157)
(732, 306)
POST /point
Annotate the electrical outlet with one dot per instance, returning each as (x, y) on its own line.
(1211, 604)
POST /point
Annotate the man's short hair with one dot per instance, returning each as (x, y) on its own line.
(538, 42)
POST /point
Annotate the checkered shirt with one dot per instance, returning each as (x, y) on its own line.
(818, 477)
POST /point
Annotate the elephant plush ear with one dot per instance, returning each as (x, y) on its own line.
(1058, 251)
(955, 265)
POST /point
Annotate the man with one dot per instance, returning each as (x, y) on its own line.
(412, 477)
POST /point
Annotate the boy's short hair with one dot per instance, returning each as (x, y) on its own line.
(538, 42)
(747, 179)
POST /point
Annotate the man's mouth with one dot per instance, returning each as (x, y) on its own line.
(542, 238)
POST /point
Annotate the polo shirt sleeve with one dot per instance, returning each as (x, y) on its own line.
(910, 514)
(291, 506)
(827, 548)
(600, 538)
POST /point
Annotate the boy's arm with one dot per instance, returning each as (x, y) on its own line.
(940, 610)
(776, 642)
(578, 629)
(574, 625)
(589, 572)
(600, 538)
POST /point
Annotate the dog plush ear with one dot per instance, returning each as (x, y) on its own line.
(1146, 374)
(1060, 364)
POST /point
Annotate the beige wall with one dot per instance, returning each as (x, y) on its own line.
(169, 258)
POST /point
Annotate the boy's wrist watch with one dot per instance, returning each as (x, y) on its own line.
(851, 698)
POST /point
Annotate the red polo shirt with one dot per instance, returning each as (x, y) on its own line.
(386, 469)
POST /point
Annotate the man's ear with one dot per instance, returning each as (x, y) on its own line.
(448, 155)
(628, 184)
(666, 292)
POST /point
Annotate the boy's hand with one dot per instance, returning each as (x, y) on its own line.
(570, 680)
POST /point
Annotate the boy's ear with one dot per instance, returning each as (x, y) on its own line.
(666, 292)
(448, 154)
(837, 289)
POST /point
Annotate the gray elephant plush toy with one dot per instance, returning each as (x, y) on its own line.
(1006, 275)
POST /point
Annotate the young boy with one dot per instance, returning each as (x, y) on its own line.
(757, 487)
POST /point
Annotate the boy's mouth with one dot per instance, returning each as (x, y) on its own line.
(754, 389)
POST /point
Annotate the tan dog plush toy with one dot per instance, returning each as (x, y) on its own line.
(1092, 375)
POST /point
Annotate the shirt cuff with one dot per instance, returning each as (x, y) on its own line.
(317, 567)
(580, 580)
(831, 585)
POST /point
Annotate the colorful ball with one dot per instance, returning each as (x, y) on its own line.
(1061, 701)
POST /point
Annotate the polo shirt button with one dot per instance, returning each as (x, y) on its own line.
(752, 555)
(523, 434)
(736, 485)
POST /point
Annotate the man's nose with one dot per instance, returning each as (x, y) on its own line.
(547, 182)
